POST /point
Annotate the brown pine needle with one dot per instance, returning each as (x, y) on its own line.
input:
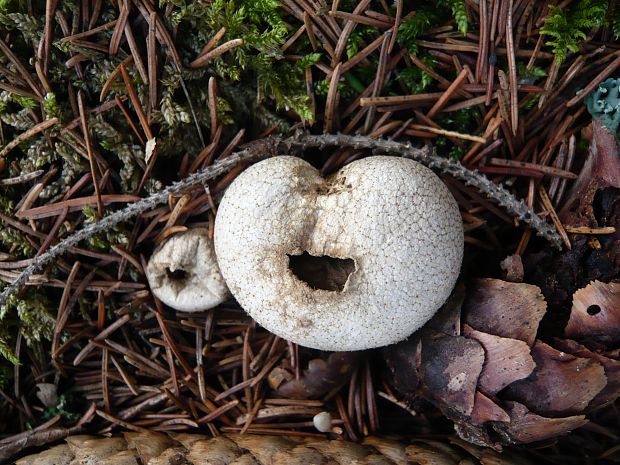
(121, 423)
(203, 60)
(362, 54)
(90, 152)
(135, 53)
(400, 99)
(76, 204)
(24, 136)
(119, 27)
(512, 71)
(346, 31)
(219, 411)
(592, 85)
(549, 170)
(397, 20)
(151, 44)
(588, 230)
(213, 42)
(135, 101)
(360, 19)
(129, 119)
(436, 108)
(310, 31)
(332, 96)
(444, 132)
(21, 68)
(554, 216)
(212, 99)
(112, 78)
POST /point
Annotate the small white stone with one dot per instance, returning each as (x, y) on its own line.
(323, 422)
(47, 394)
(183, 272)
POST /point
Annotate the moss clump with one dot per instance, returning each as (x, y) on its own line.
(31, 313)
(568, 27)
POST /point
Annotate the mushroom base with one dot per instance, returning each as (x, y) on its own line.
(323, 272)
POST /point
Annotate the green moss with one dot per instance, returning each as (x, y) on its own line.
(263, 30)
(12, 240)
(461, 120)
(357, 38)
(568, 27)
(529, 76)
(103, 241)
(36, 318)
(428, 15)
(62, 409)
(31, 314)
(456, 152)
(28, 25)
(418, 24)
(615, 21)
(417, 80)
(459, 12)
(50, 105)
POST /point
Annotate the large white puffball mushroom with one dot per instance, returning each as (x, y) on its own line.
(357, 260)
(183, 272)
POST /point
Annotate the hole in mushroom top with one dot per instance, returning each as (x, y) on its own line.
(176, 275)
(324, 272)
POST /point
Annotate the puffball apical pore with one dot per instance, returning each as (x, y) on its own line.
(357, 260)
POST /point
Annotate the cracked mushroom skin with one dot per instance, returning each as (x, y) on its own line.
(357, 260)
(183, 272)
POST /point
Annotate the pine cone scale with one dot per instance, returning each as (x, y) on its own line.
(512, 383)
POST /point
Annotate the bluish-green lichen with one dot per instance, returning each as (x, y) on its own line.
(604, 103)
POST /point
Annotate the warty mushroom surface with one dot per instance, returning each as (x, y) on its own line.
(357, 260)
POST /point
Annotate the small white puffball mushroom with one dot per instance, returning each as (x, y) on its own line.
(322, 422)
(183, 272)
(360, 259)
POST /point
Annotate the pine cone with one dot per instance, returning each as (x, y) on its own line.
(482, 364)
(187, 449)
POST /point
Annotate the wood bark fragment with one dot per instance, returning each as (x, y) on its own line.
(595, 314)
(509, 310)
(506, 360)
(561, 384)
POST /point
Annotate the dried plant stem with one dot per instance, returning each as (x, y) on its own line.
(254, 150)
(42, 126)
(272, 146)
(36, 439)
(427, 157)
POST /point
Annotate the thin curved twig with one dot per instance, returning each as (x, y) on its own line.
(428, 157)
(254, 150)
(273, 146)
